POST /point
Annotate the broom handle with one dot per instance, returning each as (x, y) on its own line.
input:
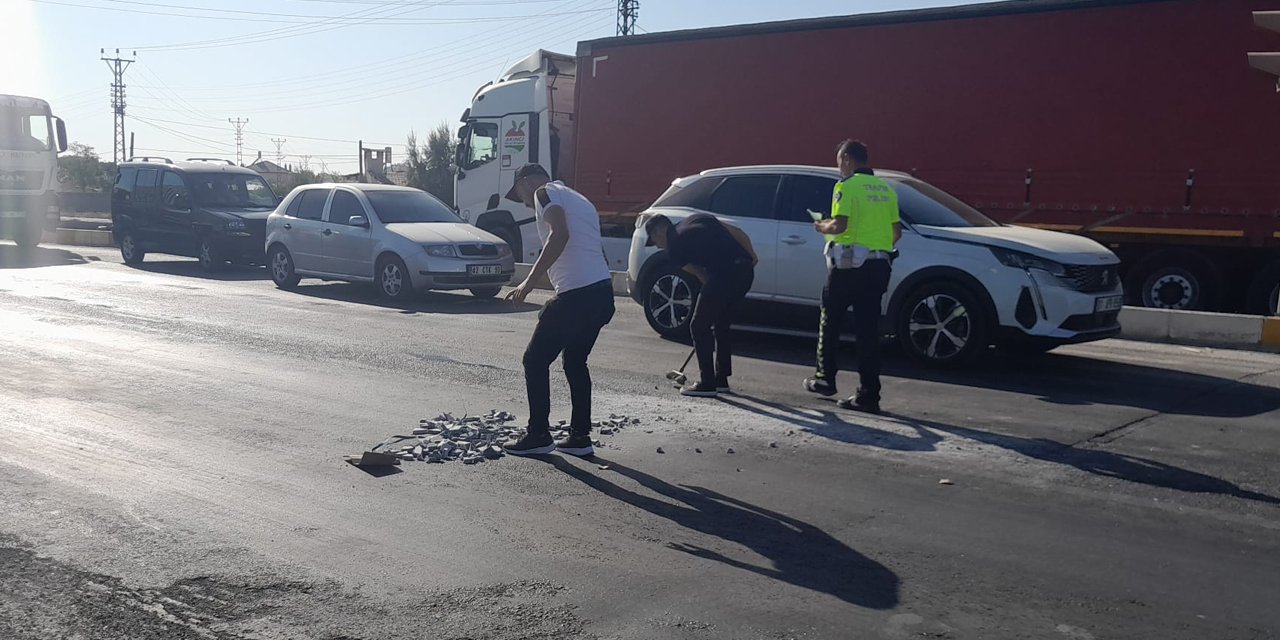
(686, 360)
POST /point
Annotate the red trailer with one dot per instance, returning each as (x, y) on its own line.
(1138, 122)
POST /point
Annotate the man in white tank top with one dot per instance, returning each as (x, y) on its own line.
(573, 258)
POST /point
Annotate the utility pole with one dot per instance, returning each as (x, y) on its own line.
(279, 149)
(239, 125)
(628, 11)
(117, 66)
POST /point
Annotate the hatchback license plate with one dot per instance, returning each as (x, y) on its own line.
(484, 270)
(1107, 304)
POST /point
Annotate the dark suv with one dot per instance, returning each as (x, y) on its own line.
(203, 208)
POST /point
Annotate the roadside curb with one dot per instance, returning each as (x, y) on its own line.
(80, 237)
(1200, 328)
(620, 287)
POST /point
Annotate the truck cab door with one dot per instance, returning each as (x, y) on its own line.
(479, 176)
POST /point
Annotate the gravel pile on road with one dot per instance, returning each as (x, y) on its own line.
(475, 439)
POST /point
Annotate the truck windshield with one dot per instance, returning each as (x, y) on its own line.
(231, 190)
(925, 204)
(24, 130)
(481, 146)
(409, 206)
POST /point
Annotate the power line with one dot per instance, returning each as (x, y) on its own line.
(239, 125)
(279, 142)
(270, 16)
(118, 66)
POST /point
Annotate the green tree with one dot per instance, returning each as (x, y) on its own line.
(431, 165)
(81, 168)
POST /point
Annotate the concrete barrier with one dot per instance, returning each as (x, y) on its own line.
(1200, 328)
(80, 237)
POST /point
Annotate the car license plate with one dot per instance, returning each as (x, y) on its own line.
(1108, 304)
(484, 270)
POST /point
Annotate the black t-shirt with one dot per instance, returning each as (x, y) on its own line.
(701, 240)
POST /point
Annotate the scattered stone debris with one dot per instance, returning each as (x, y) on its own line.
(660, 450)
(945, 481)
(604, 467)
(773, 445)
(697, 450)
(475, 439)
(730, 450)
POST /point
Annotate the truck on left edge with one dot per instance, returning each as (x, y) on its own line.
(31, 138)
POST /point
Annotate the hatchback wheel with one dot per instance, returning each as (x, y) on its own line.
(393, 279)
(282, 272)
(485, 292)
(130, 250)
(668, 301)
(942, 323)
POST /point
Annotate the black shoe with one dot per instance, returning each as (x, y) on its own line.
(862, 402)
(699, 390)
(577, 444)
(820, 386)
(722, 385)
(534, 443)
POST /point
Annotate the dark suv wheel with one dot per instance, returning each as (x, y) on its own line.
(130, 250)
(668, 297)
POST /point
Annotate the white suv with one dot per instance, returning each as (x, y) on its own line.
(962, 283)
(401, 239)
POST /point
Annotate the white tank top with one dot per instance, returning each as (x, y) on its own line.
(582, 262)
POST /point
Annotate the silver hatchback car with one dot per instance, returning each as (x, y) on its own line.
(402, 240)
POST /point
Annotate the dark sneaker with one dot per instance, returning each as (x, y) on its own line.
(820, 386)
(532, 444)
(577, 444)
(699, 390)
(861, 402)
(722, 385)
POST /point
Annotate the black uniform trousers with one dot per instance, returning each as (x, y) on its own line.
(862, 287)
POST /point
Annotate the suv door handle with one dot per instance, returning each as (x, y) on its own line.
(327, 231)
(288, 226)
(793, 239)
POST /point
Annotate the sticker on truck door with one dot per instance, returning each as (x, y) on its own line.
(515, 138)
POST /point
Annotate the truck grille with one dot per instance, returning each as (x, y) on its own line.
(22, 180)
(478, 250)
(1090, 278)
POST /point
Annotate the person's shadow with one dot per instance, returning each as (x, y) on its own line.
(801, 554)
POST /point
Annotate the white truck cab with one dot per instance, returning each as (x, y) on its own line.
(526, 116)
(30, 140)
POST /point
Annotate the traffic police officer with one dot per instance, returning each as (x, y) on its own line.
(860, 234)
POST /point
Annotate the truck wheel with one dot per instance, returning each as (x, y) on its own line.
(1264, 291)
(669, 297)
(29, 235)
(942, 323)
(211, 259)
(1176, 280)
(393, 280)
(130, 250)
(511, 236)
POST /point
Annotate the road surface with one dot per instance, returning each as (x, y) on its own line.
(171, 467)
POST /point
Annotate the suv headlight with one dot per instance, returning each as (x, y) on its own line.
(235, 225)
(440, 250)
(1020, 260)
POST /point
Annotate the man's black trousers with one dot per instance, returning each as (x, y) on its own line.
(711, 319)
(569, 323)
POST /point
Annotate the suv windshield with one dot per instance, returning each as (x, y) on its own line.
(409, 206)
(239, 191)
(925, 204)
(22, 130)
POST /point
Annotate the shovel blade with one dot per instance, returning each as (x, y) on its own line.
(373, 459)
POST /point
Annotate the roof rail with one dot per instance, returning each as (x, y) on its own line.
(150, 159)
(211, 160)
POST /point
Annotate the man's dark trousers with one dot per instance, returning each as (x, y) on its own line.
(712, 317)
(569, 323)
(862, 287)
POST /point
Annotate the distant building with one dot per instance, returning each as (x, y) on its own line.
(399, 174)
(275, 174)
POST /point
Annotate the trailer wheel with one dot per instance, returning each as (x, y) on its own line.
(1176, 280)
(511, 236)
(1264, 291)
(29, 235)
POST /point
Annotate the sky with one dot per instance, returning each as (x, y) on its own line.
(318, 74)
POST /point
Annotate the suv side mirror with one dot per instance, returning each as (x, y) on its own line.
(358, 221)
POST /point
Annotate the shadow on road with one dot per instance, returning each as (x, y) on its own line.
(192, 269)
(1059, 378)
(801, 554)
(15, 257)
(447, 302)
(831, 425)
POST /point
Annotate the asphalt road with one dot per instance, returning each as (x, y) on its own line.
(170, 467)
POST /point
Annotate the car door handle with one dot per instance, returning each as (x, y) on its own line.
(288, 226)
(793, 240)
